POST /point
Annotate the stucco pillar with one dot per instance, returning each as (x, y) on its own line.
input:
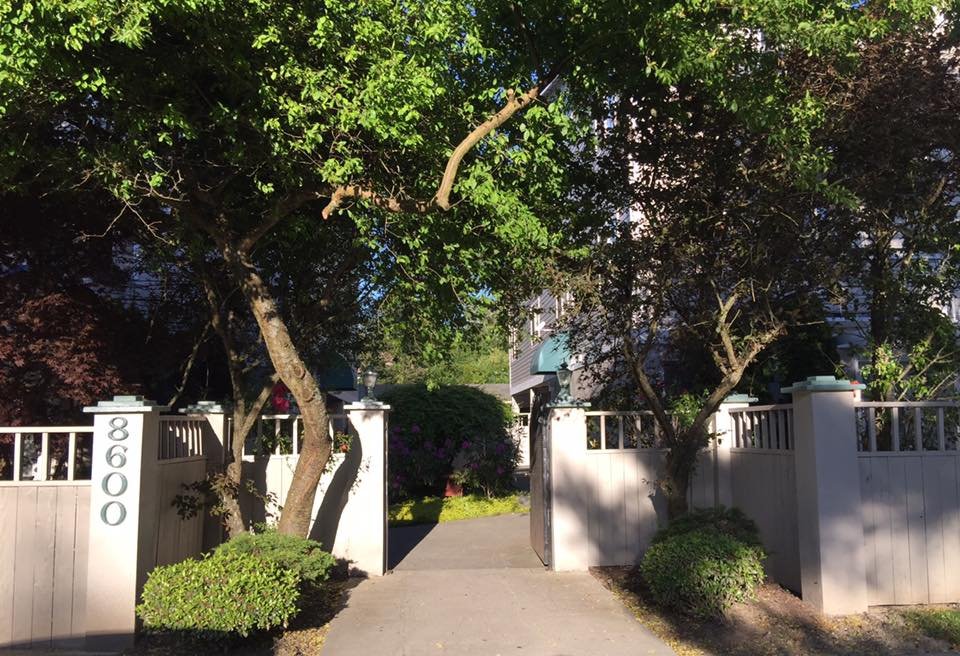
(569, 496)
(123, 517)
(829, 513)
(723, 436)
(362, 530)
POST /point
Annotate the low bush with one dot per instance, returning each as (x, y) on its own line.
(453, 430)
(702, 572)
(228, 592)
(431, 510)
(726, 521)
(304, 557)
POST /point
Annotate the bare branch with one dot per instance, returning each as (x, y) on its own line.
(514, 104)
(188, 365)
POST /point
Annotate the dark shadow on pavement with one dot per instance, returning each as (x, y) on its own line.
(402, 540)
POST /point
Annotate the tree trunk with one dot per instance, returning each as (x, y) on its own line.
(315, 443)
(244, 414)
(233, 520)
(244, 419)
(881, 290)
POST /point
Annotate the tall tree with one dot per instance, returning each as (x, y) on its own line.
(716, 259)
(720, 238)
(439, 128)
(896, 148)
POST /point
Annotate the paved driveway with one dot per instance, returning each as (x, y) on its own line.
(475, 588)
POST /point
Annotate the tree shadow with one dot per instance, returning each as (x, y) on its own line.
(776, 622)
(335, 497)
(403, 539)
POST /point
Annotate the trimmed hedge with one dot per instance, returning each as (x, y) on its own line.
(702, 572)
(726, 521)
(304, 557)
(251, 583)
(225, 593)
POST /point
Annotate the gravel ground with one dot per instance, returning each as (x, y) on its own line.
(776, 623)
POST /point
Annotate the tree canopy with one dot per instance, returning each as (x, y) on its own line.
(444, 132)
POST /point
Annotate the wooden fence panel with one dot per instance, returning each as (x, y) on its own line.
(177, 538)
(764, 487)
(622, 506)
(911, 515)
(8, 519)
(41, 588)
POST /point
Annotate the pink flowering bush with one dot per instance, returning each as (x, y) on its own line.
(454, 432)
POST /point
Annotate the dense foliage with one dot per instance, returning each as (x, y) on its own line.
(226, 593)
(702, 572)
(454, 431)
(896, 148)
(476, 356)
(306, 558)
(85, 317)
(731, 522)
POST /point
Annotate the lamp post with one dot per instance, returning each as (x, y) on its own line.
(369, 379)
(563, 377)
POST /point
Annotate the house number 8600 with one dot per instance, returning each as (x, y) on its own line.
(116, 458)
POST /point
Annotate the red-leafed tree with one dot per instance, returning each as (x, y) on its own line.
(80, 317)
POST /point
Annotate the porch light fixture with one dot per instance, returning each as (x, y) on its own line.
(563, 377)
(369, 379)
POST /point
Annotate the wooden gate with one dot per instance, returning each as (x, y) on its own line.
(539, 481)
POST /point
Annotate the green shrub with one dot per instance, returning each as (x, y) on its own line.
(304, 557)
(702, 572)
(726, 521)
(226, 593)
(453, 430)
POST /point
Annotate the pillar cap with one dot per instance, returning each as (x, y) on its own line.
(740, 398)
(823, 384)
(572, 404)
(126, 403)
(205, 408)
(367, 405)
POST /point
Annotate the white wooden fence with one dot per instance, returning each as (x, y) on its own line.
(910, 486)
(44, 505)
(45, 453)
(620, 503)
(763, 484)
(270, 457)
(87, 511)
(890, 535)
(45, 493)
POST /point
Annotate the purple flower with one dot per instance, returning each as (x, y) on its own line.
(414, 429)
(465, 445)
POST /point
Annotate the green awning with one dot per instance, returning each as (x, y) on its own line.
(550, 355)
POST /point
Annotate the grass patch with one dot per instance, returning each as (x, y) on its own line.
(939, 623)
(431, 510)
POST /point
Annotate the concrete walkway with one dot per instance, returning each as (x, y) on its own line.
(475, 588)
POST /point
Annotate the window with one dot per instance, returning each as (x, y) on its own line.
(564, 303)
